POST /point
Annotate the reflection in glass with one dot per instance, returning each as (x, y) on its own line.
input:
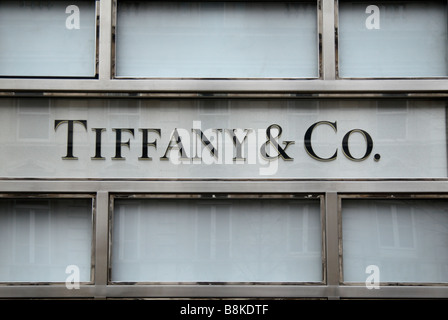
(219, 241)
(390, 39)
(39, 239)
(217, 39)
(47, 38)
(406, 239)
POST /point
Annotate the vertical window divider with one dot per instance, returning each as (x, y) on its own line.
(101, 243)
(332, 242)
(327, 41)
(105, 40)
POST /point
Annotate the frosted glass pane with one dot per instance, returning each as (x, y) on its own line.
(47, 38)
(393, 39)
(40, 238)
(217, 39)
(216, 241)
(406, 239)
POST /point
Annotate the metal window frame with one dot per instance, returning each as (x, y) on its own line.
(331, 189)
(220, 197)
(380, 196)
(68, 77)
(395, 78)
(319, 24)
(57, 196)
(327, 86)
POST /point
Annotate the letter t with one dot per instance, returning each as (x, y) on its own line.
(70, 125)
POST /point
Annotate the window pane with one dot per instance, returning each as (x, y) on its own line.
(216, 241)
(217, 39)
(40, 238)
(393, 39)
(47, 38)
(406, 239)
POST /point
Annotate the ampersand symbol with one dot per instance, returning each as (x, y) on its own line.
(281, 152)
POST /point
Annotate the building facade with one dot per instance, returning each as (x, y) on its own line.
(230, 149)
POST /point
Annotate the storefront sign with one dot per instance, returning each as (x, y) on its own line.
(222, 139)
(176, 142)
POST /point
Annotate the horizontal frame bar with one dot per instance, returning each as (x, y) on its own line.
(224, 186)
(11, 86)
(225, 291)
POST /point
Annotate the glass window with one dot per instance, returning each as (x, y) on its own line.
(386, 39)
(47, 38)
(217, 39)
(230, 240)
(40, 238)
(406, 239)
